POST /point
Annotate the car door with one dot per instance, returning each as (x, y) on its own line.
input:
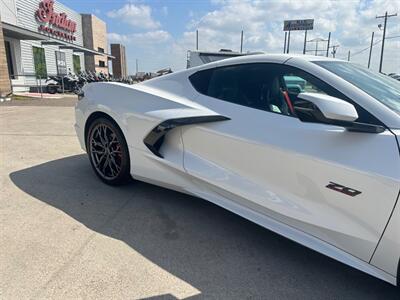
(336, 185)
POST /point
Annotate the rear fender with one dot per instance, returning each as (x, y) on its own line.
(138, 110)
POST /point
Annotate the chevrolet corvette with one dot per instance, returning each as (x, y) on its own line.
(305, 146)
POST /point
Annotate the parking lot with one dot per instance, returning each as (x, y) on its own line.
(64, 234)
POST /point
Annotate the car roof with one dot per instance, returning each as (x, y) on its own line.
(271, 58)
(303, 62)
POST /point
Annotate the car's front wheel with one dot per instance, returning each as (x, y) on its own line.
(108, 152)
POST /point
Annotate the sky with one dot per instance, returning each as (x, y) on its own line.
(159, 33)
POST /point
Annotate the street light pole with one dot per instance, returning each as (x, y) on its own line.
(284, 45)
(329, 41)
(386, 16)
(305, 42)
(241, 42)
(370, 49)
(197, 40)
(288, 43)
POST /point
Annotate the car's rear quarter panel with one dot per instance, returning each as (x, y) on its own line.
(138, 110)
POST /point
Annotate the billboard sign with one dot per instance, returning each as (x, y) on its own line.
(307, 24)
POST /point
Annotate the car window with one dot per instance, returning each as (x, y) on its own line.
(258, 86)
(297, 81)
(296, 84)
(200, 80)
(265, 86)
(380, 86)
(244, 85)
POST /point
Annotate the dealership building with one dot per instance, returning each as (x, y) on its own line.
(39, 38)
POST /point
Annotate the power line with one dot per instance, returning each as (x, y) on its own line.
(392, 37)
(374, 44)
(361, 51)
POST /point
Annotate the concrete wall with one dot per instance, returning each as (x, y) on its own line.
(95, 37)
(119, 63)
(88, 41)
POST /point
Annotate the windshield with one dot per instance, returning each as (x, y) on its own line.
(383, 88)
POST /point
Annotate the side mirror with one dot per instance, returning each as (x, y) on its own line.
(321, 108)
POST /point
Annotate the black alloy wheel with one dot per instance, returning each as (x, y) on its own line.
(108, 152)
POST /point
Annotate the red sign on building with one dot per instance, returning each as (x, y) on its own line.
(56, 24)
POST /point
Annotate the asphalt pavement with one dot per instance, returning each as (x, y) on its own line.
(66, 235)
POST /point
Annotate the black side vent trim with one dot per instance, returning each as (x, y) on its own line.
(155, 138)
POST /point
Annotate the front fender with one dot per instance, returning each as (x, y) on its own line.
(387, 254)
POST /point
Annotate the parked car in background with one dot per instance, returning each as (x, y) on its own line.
(197, 58)
(295, 84)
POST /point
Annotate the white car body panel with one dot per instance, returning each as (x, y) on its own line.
(386, 256)
(289, 196)
(283, 173)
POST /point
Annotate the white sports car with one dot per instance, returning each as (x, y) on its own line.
(307, 147)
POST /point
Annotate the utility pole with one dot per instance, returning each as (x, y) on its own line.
(137, 68)
(241, 42)
(386, 16)
(327, 48)
(305, 42)
(348, 56)
(370, 49)
(197, 40)
(288, 43)
(284, 45)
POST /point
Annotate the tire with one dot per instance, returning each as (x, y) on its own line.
(51, 88)
(76, 89)
(108, 152)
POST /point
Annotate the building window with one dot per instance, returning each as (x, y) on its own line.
(61, 63)
(10, 61)
(100, 50)
(39, 60)
(77, 63)
(102, 64)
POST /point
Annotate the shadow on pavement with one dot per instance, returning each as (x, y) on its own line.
(221, 254)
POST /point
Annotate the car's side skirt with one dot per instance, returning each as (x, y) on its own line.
(191, 186)
(294, 234)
